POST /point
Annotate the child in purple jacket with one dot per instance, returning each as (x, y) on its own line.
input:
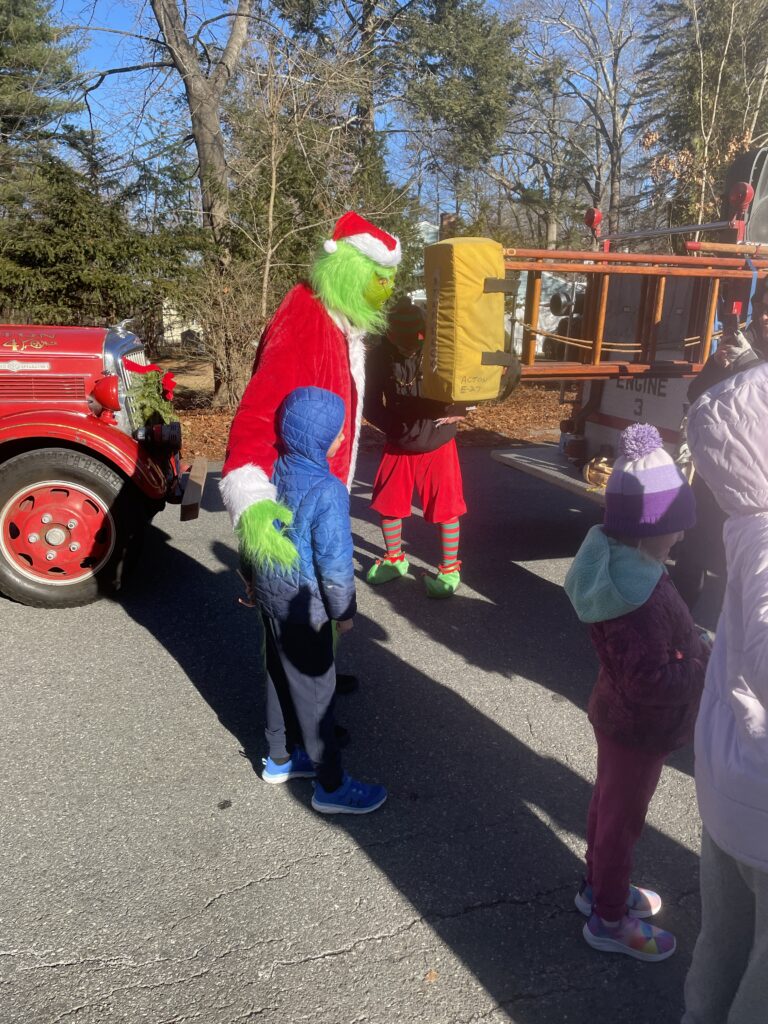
(652, 666)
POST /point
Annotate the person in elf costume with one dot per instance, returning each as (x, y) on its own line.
(315, 339)
(420, 451)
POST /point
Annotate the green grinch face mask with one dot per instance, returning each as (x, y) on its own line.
(379, 289)
(353, 285)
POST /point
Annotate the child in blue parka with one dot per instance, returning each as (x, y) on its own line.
(299, 607)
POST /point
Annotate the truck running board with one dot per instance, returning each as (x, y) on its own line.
(547, 462)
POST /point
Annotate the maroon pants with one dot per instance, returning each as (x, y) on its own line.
(626, 781)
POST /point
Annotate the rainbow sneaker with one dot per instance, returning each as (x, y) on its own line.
(641, 903)
(631, 937)
(385, 569)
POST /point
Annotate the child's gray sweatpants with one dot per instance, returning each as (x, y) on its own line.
(728, 979)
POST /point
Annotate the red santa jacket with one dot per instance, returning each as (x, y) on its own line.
(303, 345)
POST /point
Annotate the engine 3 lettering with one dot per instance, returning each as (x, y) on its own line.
(647, 386)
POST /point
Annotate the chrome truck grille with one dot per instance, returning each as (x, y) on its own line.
(120, 345)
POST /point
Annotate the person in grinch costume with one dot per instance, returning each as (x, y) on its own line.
(315, 339)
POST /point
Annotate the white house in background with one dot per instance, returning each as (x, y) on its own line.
(178, 331)
(430, 233)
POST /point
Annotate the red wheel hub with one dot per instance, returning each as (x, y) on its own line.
(57, 532)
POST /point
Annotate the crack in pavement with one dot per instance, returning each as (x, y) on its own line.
(429, 920)
(362, 848)
(254, 1011)
(245, 885)
(352, 851)
(137, 986)
(113, 961)
(250, 1014)
(190, 1016)
(127, 963)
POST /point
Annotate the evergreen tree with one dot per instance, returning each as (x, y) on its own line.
(461, 77)
(36, 83)
(542, 168)
(77, 244)
(70, 255)
(437, 73)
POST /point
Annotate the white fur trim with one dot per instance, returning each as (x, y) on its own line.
(243, 487)
(354, 336)
(375, 249)
(329, 245)
(341, 322)
(357, 368)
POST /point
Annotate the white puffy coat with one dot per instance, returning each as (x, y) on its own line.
(728, 437)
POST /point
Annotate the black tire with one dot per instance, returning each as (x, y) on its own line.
(94, 526)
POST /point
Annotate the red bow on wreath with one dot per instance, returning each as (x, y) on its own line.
(168, 382)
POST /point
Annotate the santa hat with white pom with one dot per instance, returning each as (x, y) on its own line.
(646, 494)
(377, 245)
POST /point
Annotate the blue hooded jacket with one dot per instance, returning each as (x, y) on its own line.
(322, 586)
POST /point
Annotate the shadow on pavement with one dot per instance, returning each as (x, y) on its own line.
(469, 835)
(522, 621)
(193, 612)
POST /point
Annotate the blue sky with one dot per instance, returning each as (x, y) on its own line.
(99, 24)
(107, 30)
(100, 18)
(119, 109)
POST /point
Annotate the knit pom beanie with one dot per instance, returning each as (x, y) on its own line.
(646, 494)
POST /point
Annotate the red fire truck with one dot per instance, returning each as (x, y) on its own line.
(82, 468)
(643, 325)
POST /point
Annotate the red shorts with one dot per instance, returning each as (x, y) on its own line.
(435, 475)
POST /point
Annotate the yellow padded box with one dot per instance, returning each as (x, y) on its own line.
(463, 321)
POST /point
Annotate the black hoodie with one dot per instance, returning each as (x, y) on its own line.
(394, 403)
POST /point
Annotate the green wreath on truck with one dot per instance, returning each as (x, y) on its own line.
(151, 392)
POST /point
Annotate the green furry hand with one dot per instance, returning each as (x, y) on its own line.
(261, 541)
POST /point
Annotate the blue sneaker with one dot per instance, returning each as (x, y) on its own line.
(352, 797)
(299, 767)
(641, 903)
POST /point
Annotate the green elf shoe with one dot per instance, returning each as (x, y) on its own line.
(445, 583)
(383, 570)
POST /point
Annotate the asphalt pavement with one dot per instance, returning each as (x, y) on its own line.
(148, 875)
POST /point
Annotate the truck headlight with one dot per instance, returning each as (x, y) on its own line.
(106, 393)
